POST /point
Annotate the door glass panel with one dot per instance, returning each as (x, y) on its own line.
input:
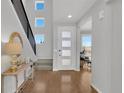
(66, 34)
(66, 61)
(66, 43)
(66, 52)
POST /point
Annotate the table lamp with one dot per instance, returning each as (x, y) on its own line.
(14, 50)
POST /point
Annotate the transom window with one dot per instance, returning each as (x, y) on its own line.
(39, 5)
(39, 38)
(39, 22)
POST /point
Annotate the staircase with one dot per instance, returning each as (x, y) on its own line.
(40, 64)
(43, 64)
(21, 13)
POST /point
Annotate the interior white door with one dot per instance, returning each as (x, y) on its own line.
(66, 48)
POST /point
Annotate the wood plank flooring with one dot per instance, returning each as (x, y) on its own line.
(60, 82)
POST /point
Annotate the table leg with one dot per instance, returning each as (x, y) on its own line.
(32, 73)
(16, 83)
(2, 84)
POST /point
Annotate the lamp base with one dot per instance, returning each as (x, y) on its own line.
(14, 63)
(13, 68)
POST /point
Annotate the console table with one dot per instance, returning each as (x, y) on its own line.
(21, 69)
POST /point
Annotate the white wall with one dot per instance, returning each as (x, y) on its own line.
(116, 64)
(106, 45)
(101, 48)
(44, 51)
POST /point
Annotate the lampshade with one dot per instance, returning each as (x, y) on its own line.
(13, 48)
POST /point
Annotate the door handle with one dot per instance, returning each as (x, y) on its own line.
(59, 52)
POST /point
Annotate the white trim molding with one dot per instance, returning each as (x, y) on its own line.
(58, 69)
(55, 69)
(75, 69)
(92, 85)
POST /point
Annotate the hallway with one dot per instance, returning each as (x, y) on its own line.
(56, 38)
(60, 82)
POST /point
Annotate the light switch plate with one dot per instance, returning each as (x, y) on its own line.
(101, 14)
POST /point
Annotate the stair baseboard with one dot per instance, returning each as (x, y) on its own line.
(95, 88)
(43, 67)
(43, 64)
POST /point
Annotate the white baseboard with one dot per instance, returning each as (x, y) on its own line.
(96, 88)
(56, 69)
(76, 69)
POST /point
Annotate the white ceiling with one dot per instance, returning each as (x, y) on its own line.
(87, 26)
(62, 8)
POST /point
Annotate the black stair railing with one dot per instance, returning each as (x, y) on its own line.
(20, 10)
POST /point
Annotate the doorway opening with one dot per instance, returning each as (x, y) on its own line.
(85, 51)
(86, 44)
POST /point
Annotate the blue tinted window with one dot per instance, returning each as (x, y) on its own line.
(39, 39)
(86, 41)
(39, 5)
(39, 22)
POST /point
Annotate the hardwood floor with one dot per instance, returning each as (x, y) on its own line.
(60, 82)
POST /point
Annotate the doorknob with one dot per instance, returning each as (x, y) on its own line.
(60, 50)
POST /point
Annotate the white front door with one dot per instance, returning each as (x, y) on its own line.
(66, 48)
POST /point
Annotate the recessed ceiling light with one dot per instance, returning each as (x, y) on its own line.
(69, 16)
